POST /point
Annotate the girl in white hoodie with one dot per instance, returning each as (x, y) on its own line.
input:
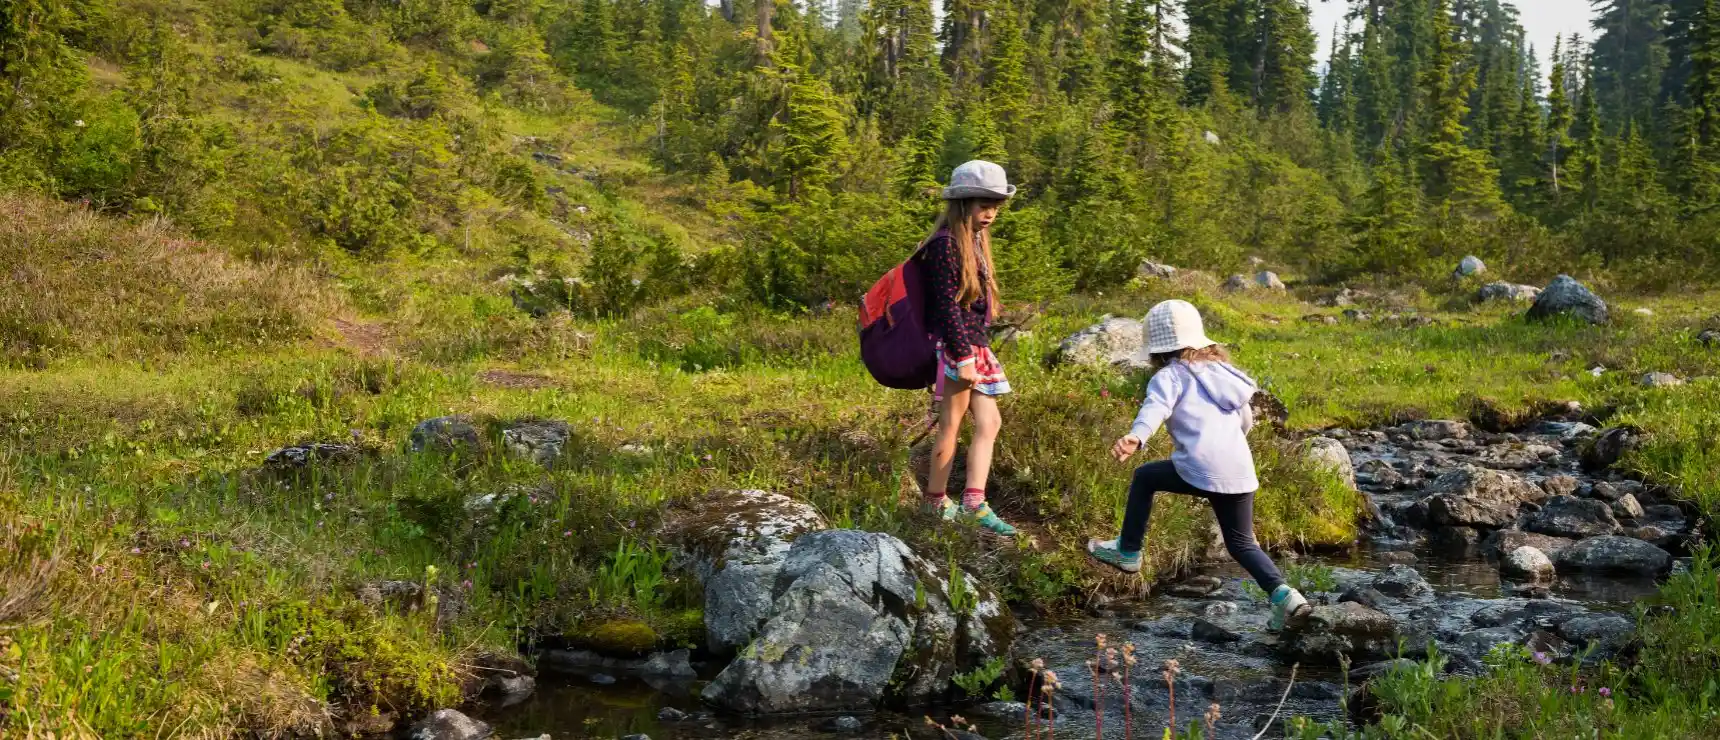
(1205, 401)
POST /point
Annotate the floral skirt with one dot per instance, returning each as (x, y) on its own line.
(992, 381)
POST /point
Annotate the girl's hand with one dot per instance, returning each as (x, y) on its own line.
(968, 374)
(1125, 447)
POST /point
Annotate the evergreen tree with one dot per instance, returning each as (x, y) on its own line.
(921, 156)
(1558, 120)
(1453, 173)
(812, 125)
(39, 74)
(1521, 168)
(1588, 144)
(1337, 104)
(1283, 69)
(1630, 56)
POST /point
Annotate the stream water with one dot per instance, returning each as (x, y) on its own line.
(1214, 629)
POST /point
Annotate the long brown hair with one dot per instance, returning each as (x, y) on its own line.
(1214, 353)
(958, 218)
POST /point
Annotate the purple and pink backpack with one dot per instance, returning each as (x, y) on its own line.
(894, 343)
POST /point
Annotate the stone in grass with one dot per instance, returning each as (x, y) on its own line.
(1269, 280)
(1527, 563)
(538, 441)
(1603, 630)
(1237, 282)
(447, 724)
(1503, 291)
(1566, 296)
(1331, 455)
(1661, 380)
(1709, 337)
(1614, 555)
(446, 434)
(1151, 269)
(1470, 266)
(1113, 342)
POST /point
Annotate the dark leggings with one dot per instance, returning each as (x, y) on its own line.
(1235, 512)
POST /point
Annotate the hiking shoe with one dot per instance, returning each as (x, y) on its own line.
(945, 509)
(1287, 604)
(1106, 552)
(985, 517)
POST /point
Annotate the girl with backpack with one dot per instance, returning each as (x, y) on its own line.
(960, 300)
(1205, 401)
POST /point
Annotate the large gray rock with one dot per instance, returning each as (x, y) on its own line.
(1502, 542)
(1331, 455)
(1346, 628)
(1470, 266)
(446, 434)
(1436, 430)
(539, 441)
(1269, 280)
(1113, 342)
(859, 618)
(1401, 582)
(735, 543)
(1470, 496)
(1601, 630)
(447, 724)
(1614, 555)
(1566, 296)
(1627, 507)
(297, 457)
(1237, 282)
(1503, 291)
(1661, 380)
(1569, 516)
(1529, 564)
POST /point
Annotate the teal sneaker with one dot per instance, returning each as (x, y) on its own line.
(948, 510)
(1287, 604)
(985, 517)
(1106, 552)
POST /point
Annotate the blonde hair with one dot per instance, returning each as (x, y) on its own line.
(958, 218)
(1213, 353)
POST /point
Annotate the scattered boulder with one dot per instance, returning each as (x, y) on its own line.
(1401, 581)
(1436, 430)
(1206, 631)
(673, 664)
(1503, 291)
(1269, 280)
(1615, 555)
(297, 457)
(1470, 496)
(1237, 282)
(1456, 542)
(1479, 642)
(539, 441)
(735, 543)
(447, 724)
(1561, 485)
(1611, 444)
(1347, 628)
(1113, 342)
(1470, 266)
(1660, 380)
(1602, 630)
(447, 435)
(1566, 296)
(858, 618)
(1627, 507)
(1151, 269)
(1196, 587)
(1709, 337)
(1527, 563)
(1365, 595)
(844, 723)
(1503, 542)
(1331, 455)
(1357, 314)
(1569, 516)
(671, 714)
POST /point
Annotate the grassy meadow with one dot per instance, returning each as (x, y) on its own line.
(157, 576)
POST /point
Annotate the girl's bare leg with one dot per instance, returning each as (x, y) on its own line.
(950, 412)
(986, 423)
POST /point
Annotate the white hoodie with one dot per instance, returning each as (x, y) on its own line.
(1207, 406)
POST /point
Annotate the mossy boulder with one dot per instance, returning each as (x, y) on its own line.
(618, 636)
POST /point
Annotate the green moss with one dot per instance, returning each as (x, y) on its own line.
(618, 637)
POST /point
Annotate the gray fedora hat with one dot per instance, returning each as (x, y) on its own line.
(979, 179)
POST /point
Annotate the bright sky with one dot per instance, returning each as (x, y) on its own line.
(1541, 19)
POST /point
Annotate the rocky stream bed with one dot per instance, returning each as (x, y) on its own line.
(1479, 539)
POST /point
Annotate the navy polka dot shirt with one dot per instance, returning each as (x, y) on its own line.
(960, 328)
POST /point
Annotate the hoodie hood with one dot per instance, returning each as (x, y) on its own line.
(1229, 388)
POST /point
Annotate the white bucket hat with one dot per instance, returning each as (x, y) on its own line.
(1174, 325)
(979, 179)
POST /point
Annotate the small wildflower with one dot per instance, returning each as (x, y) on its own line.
(567, 533)
(206, 565)
(100, 569)
(184, 542)
(1105, 393)
(137, 551)
(1576, 689)
(1605, 692)
(328, 497)
(80, 124)
(466, 584)
(88, 669)
(707, 457)
(319, 523)
(1541, 658)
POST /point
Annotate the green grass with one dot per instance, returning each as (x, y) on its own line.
(105, 455)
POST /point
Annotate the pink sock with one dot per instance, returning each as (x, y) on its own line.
(973, 498)
(933, 497)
